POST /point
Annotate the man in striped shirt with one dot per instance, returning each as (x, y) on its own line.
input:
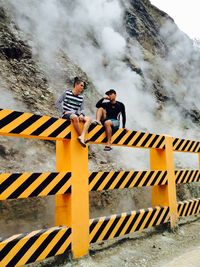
(71, 104)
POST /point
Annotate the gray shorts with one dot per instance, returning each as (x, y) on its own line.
(115, 123)
(69, 115)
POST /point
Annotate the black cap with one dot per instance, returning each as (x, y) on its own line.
(111, 91)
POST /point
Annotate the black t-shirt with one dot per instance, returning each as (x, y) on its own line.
(113, 110)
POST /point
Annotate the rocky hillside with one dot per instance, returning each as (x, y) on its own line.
(139, 51)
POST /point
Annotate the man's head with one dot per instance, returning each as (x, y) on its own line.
(111, 94)
(79, 85)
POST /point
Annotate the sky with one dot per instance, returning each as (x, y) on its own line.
(185, 14)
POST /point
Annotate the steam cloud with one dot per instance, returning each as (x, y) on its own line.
(92, 34)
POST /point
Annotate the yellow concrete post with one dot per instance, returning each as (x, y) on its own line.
(165, 195)
(73, 209)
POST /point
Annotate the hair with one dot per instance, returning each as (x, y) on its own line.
(78, 80)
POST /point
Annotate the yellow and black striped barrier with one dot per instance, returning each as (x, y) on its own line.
(129, 138)
(186, 145)
(122, 224)
(22, 124)
(72, 182)
(118, 180)
(38, 245)
(187, 176)
(189, 207)
(24, 185)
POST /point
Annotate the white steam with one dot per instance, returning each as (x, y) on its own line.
(92, 34)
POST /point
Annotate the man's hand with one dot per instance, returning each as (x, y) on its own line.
(81, 117)
(106, 97)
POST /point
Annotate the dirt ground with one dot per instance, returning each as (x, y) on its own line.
(150, 248)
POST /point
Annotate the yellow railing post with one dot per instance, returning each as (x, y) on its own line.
(199, 160)
(73, 209)
(165, 195)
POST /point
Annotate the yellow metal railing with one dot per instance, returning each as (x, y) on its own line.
(72, 182)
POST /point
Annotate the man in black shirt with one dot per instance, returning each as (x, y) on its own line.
(108, 114)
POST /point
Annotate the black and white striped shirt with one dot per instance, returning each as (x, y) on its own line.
(70, 102)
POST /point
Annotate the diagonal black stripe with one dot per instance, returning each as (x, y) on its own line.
(163, 178)
(96, 136)
(101, 228)
(191, 145)
(160, 142)
(59, 243)
(184, 176)
(180, 143)
(140, 178)
(138, 139)
(142, 220)
(132, 223)
(165, 215)
(146, 140)
(26, 124)
(186, 144)
(154, 140)
(197, 175)
(67, 136)
(128, 139)
(175, 141)
(92, 126)
(191, 173)
(150, 218)
(9, 118)
(100, 181)
(197, 208)
(93, 225)
(43, 245)
(183, 209)
(92, 176)
(116, 220)
(192, 212)
(116, 141)
(188, 208)
(24, 249)
(157, 176)
(148, 178)
(61, 128)
(24, 186)
(43, 185)
(195, 148)
(121, 180)
(11, 179)
(178, 176)
(158, 216)
(122, 225)
(44, 126)
(131, 179)
(9, 246)
(60, 184)
(111, 180)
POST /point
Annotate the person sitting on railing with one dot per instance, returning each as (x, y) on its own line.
(108, 114)
(71, 104)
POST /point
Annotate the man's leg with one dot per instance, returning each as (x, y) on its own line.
(75, 121)
(108, 129)
(87, 121)
(100, 115)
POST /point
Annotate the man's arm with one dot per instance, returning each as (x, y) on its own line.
(123, 115)
(59, 102)
(82, 111)
(99, 104)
